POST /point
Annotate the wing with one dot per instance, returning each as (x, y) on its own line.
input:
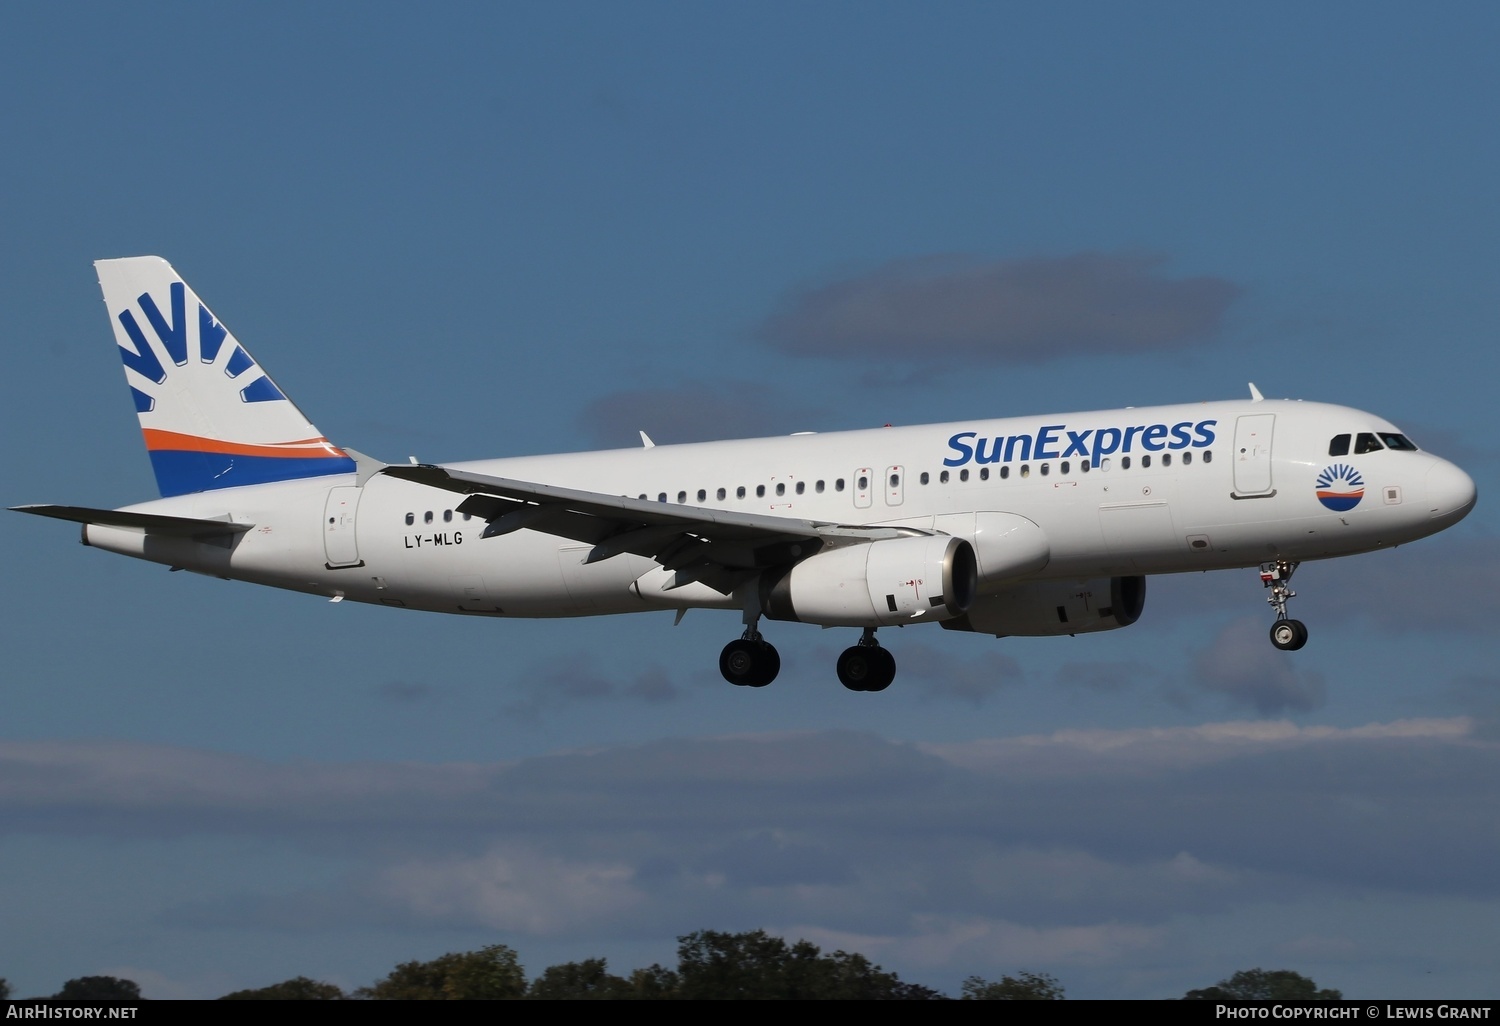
(720, 548)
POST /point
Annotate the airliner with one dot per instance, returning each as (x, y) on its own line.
(1042, 525)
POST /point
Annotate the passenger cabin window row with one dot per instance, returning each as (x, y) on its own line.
(1369, 441)
(780, 490)
(411, 518)
(862, 483)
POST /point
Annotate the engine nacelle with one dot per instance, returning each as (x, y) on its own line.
(876, 584)
(1048, 608)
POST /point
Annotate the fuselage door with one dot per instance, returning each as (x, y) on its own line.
(1252, 455)
(338, 527)
(864, 485)
(893, 482)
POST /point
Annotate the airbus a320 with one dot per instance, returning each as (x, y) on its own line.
(1040, 525)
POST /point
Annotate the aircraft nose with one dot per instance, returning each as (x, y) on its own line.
(1450, 492)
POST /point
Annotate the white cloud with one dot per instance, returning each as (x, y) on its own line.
(511, 889)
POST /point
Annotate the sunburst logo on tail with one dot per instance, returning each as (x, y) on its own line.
(1340, 487)
(210, 415)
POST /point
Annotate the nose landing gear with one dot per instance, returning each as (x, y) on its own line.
(1287, 635)
(866, 666)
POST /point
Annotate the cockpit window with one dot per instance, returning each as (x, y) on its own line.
(1398, 442)
(1339, 446)
(1366, 442)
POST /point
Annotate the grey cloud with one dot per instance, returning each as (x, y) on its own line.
(695, 411)
(405, 691)
(1085, 845)
(577, 678)
(1017, 311)
(1438, 585)
(940, 674)
(1107, 677)
(1240, 665)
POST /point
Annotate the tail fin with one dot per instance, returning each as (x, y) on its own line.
(211, 417)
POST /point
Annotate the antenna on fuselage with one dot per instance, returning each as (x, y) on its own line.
(1255, 395)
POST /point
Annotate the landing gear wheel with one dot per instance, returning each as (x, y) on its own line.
(1288, 635)
(866, 668)
(750, 664)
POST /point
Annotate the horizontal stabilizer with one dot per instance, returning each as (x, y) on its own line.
(151, 523)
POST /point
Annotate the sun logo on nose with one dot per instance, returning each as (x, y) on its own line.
(1340, 487)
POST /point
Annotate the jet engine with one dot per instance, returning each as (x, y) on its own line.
(876, 584)
(1046, 608)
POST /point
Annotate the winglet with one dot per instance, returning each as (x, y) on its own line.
(1255, 393)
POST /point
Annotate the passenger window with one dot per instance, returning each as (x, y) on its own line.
(1187, 458)
(1046, 469)
(801, 487)
(681, 498)
(1166, 459)
(1063, 468)
(1025, 470)
(838, 485)
(1208, 455)
(1366, 442)
(864, 482)
(760, 491)
(739, 493)
(963, 475)
(1004, 473)
(411, 518)
(984, 473)
(1146, 460)
(1083, 465)
(818, 487)
(702, 495)
(780, 489)
(943, 477)
(427, 517)
(661, 497)
(895, 480)
(1339, 446)
(720, 494)
(924, 478)
(1124, 462)
(447, 516)
(468, 516)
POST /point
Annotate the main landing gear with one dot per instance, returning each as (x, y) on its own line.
(1287, 635)
(752, 662)
(866, 666)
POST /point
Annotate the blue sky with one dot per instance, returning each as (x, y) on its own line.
(477, 230)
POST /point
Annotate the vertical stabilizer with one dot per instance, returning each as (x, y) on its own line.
(210, 415)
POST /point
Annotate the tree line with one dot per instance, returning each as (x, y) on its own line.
(711, 965)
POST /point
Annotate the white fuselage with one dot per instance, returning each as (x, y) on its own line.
(1115, 493)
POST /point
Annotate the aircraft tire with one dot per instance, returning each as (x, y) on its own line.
(885, 670)
(749, 664)
(1289, 635)
(866, 668)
